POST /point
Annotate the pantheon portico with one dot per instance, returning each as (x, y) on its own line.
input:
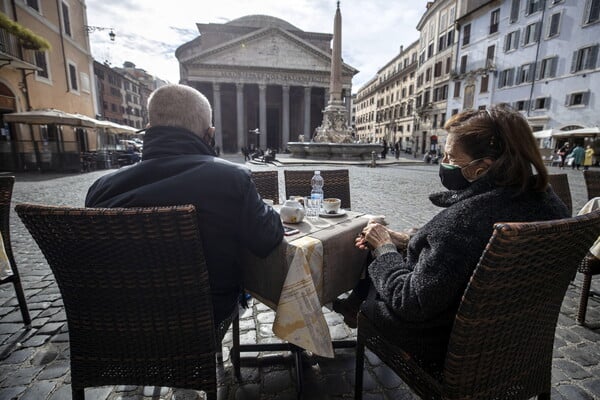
(261, 72)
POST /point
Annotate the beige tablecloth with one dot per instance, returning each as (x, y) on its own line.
(5, 269)
(306, 271)
(590, 206)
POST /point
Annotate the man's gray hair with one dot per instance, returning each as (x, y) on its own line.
(180, 106)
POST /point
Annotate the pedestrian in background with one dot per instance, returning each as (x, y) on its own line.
(589, 157)
(578, 154)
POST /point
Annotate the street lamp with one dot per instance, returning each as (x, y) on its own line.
(256, 132)
(111, 34)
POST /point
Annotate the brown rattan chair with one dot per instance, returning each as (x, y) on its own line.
(501, 343)
(590, 265)
(592, 183)
(6, 188)
(336, 184)
(267, 184)
(136, 293)
(560, 185)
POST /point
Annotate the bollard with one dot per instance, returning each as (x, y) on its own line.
(373, 159)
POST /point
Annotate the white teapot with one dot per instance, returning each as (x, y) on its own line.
(291, 212)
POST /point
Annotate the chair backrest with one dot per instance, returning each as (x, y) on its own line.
(6, 189)
(560, 185)
(267, 184)
(136, 293)
(336, 184)
(502, 340)
(592, 183)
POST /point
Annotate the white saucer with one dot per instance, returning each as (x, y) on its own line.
(341, 212)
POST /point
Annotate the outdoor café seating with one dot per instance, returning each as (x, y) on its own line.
(560, 185)
(502, 340)
(267, 184)
(337, 184)
(6, 277)
(137, 298)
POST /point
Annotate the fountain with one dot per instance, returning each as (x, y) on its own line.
(333, 140)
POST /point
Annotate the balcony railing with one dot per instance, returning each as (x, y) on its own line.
(11, 45)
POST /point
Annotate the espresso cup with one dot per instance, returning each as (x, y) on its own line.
(331, 205)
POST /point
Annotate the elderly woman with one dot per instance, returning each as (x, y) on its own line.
(487, 169)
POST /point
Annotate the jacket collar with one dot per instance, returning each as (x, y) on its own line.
(166, 141)
(450, 197)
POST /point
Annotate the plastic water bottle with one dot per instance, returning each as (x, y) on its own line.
(316, 195)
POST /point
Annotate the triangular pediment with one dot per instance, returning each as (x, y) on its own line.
(266, 48)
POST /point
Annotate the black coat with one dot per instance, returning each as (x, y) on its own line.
(179, 168)
(418, 297)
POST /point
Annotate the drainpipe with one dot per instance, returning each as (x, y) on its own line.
(537, 55)
(25, 88)
(62, 41)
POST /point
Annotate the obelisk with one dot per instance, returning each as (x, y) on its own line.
(334, 128)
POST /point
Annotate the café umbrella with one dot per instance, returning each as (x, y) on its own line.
(49, 116)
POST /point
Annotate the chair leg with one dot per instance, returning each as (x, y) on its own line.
(235, 350)
(22, 303)
(77, 394)
(297, 354)
(360, 362)
(585, 293)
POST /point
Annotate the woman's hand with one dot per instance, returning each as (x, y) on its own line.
(376, 235)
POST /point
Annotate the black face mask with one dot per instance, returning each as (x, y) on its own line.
(452, 177)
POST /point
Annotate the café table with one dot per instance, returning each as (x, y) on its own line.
(306, 271)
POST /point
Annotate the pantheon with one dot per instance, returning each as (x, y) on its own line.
(261, 72)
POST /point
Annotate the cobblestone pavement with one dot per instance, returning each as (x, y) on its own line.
(34, 364)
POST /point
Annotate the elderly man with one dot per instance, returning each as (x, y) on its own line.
(179, 167)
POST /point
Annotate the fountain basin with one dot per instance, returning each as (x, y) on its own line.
(334, 151)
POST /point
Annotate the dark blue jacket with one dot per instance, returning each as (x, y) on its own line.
(179, 168)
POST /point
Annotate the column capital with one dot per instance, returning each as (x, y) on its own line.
(285, 88)
(216, 86)
(262, 87)
(239, 86)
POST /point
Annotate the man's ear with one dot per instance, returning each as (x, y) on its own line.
(210, 132)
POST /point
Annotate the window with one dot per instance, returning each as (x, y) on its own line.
(494, 21)
(577, 99)
(466, 34)
(525, 73)
(427, 74)
(441, 43)
(430, 50)
(506, 77)
(534, 6)
(85, 82)
(437, 69)
(456, 89)
(532, 33)
(592, 11)
(514, 10)
(41, 61)
(73, 77)
(66, 19)
(448, 64)
(521, 105)
(554, 24)
(463, 64)
(450, 38)
(485, 81)
(511, 41)
(584, 58)
(34, 4)
(542, 103)
(548, 68)
(489, 57)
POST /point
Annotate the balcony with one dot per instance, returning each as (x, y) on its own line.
(18, 45)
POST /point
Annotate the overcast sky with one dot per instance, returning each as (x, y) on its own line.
(149, 31)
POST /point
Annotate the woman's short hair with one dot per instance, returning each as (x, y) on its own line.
(502, 134)
(180, 106)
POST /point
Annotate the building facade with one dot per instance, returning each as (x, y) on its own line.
(260, 72)
(32, 79)
(436, 63)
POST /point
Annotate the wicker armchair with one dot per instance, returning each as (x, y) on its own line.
(267, 184)
(560, 185)
(136, 293)
(592, 183)
(6, 187)
(337, 184)
(590, 265)
(502, 339)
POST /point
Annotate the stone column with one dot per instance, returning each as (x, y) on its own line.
(285, 118)
(348, 93)
(217, 116)
(262, 105)
(307, 133)
(239, 99)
